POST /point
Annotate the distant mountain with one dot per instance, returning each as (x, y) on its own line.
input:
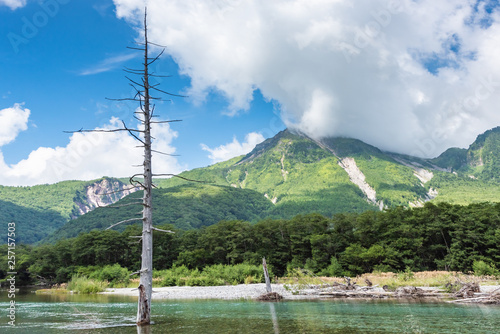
(292, 174)
(40, 210)
(185, 206)
(300, 175)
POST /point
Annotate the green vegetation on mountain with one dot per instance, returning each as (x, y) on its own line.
(286, 175)
(483, 156)
(31, 225)
(454, 158)
(300, 176)
(56, 197)
(40, 210)
(185, 207)
(461, 189)
(433, 237)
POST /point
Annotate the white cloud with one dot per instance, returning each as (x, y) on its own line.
(12, 121)
(91, 155)
(13, 4)
(234, 148)
(338, 67)
(108, 64)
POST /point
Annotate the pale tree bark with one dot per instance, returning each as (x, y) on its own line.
(143, 135)
(146, 278)
(266, 276)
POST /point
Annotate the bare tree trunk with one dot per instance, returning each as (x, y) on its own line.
(266, 276)
(146, 280)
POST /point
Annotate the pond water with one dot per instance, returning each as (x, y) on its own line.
(113, 314)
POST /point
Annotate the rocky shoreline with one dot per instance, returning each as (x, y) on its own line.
(484, 294)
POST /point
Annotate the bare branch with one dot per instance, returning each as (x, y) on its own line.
(161, 46)
(136, 83)
(171, 155)
(160, 230)
(130, 131)
(156, 58)
(183, 178)
(164, 92)
(135, 273)
(132, 181)
(117, 191)
(159, 76)
(133, 71)
(124, 221)
(121, 205)
(174, 120)
(124, 99)
(99, 130)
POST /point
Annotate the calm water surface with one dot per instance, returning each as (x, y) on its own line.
(112, 314)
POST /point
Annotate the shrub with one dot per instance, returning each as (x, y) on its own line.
(114, 274)
(218, 274)
(482, 268)
(407, 275)
(235, 274)
(84, 285)
(334, 269)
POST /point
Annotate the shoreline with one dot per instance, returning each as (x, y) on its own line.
(253, 291)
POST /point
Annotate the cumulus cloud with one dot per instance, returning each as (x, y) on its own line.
(408, 76)
(12, 121)
(90, 155)
(234, 148)
(13, 4)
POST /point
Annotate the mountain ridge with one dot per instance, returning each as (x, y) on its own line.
(298, 175)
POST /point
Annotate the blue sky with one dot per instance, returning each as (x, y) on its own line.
(64, 70)
(414, 78)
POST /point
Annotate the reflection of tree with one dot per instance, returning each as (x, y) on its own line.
(274, 317)
(144, 329)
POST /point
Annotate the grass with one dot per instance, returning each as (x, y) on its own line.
(52, 291)
(393, 280)
(85, 285)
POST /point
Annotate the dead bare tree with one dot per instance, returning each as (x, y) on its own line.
(144, 180)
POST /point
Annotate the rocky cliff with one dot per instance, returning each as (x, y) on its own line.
(100, 193)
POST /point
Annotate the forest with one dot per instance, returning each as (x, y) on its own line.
(434, 237)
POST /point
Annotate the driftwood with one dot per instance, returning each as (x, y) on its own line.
(467, 290)
(492, 298)
(271, 296)
(409, 291)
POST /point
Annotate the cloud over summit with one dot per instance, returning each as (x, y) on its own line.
(408, 76)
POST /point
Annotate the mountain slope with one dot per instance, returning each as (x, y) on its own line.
(185, 206)
(31, 225)
(301, 175)
(42, 209)
(292, 174)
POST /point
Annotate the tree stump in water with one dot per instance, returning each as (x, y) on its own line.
(143, 307)
(271, 296)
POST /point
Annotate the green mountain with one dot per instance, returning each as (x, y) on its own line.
(187, 206)
(292, 174)
(300, 175)
(40, 210)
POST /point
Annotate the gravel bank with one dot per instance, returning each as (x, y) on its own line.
(246, 291)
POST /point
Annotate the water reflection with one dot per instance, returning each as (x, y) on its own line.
(104, 315)
(276, 326)
(145, 329)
